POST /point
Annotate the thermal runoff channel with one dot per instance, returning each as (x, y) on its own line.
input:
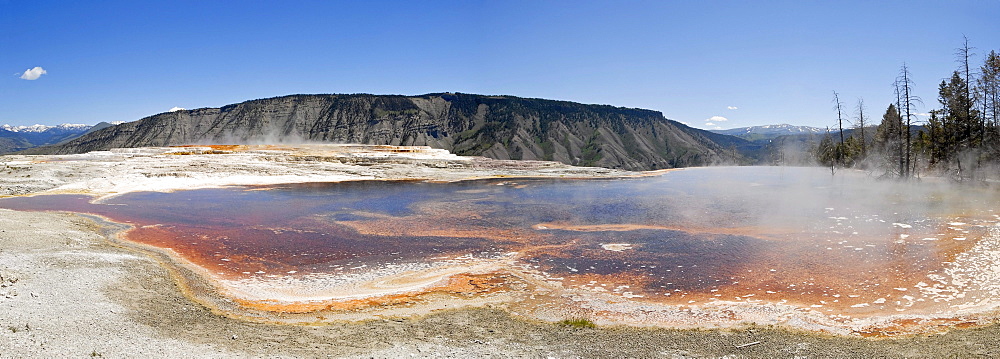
(844, 247)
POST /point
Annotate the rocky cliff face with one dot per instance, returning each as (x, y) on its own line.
(500, 127)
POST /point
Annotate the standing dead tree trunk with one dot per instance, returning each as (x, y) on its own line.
(899, 134)
(840, 128)
(974, 129)
(906, 98)
(860, 125)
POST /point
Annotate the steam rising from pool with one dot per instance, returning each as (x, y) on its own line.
(699, 247)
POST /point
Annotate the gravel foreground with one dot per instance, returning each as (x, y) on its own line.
(66, 291)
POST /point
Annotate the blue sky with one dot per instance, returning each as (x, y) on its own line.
(752, 63)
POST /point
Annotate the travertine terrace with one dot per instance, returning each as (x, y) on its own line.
(107, 173)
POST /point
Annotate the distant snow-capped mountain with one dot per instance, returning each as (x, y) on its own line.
(17, 138)
(43, 128)
(767, 132)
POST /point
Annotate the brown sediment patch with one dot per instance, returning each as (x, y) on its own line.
(323, 306)
(471, 284)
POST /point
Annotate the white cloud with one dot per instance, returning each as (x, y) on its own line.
(33, 74)
(716, 119)
(175, 109)
(923, 114)
(709, 124)
(732, 107)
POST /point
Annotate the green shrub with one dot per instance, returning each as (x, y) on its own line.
(577, 323)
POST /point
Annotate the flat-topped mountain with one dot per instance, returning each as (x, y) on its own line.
(500, 127)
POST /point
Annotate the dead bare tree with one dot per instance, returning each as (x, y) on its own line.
(899, 149)
(989, 83)
(908, 101)
(840, 126)
(963, 54)
(860, 125)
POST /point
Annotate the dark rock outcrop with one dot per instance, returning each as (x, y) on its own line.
(501, 127)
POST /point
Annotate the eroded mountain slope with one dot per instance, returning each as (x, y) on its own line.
(500, 127)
